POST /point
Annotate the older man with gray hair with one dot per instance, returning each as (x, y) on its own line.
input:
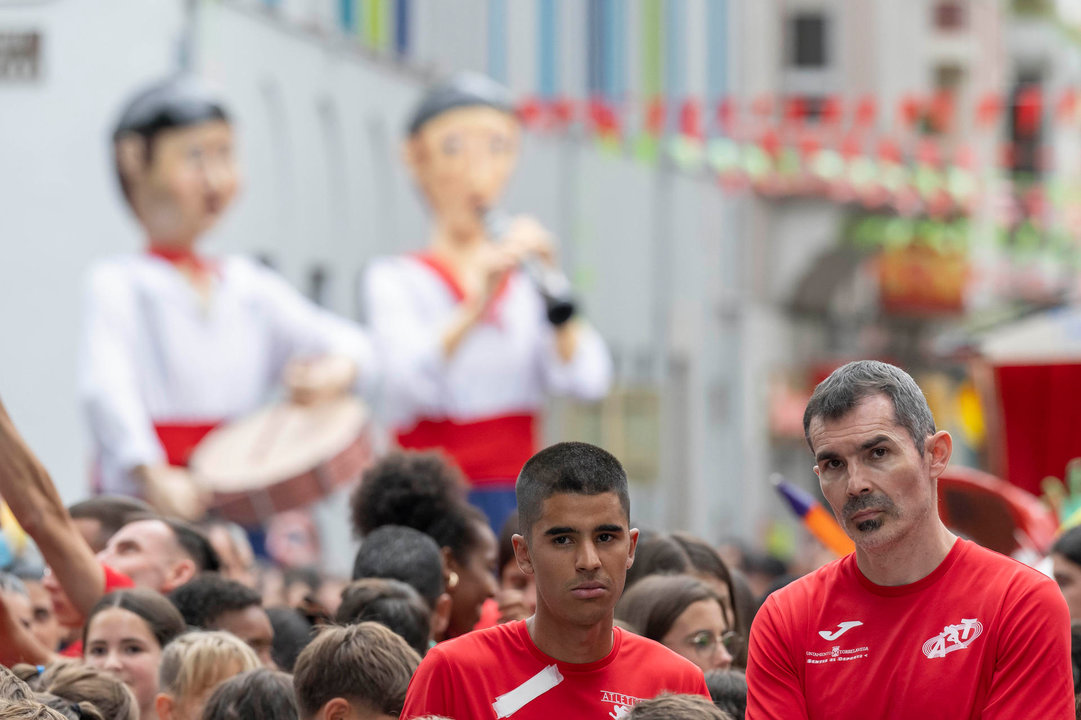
(917, 623)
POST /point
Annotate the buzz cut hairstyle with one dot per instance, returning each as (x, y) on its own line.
(850, 384)
(568, 467)
(366, 664)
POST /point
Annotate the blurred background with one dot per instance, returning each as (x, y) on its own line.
(747, 193)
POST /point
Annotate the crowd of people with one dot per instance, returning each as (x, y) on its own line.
(570, 609)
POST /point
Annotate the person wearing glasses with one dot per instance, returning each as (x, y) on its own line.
(685, 615)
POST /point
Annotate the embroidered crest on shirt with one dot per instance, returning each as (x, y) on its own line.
(953, 637)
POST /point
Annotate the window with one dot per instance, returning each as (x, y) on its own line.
(808, 38)
(949, 15)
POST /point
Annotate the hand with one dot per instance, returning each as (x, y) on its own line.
(174, 491)
(511, 605)
(526, 237)
(314, 380)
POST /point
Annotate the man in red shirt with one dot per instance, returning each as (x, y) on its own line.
(568, 660)
(158, 553)
(916, 623)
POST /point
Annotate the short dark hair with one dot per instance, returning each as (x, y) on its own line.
(849, 384)
(405, 554)
(421, 490)
(657, 554)
(391, 603)
(292, 633)
(1068, 545)
(111, 511)
(364, 663)
(459, 91)
(175, 102)
(259, 694)
(728, 688)
(707, 561)
(195, 544)
(163, 620)
(208, 596)
(654, 604)
(677, 707)
(567, 467)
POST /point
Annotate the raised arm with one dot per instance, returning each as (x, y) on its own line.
(33, 499)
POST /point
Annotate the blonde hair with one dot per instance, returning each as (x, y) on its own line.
(77, 683)
(27, 710)
(198, 661)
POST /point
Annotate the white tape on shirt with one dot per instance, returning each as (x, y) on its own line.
(511, 702)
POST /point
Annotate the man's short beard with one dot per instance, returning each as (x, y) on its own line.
(869, 525)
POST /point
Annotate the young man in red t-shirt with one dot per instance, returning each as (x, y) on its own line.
(917, 623)
(567, 661)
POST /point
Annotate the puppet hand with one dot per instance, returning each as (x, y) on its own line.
(511, 606)
(174, 492)
(526, 237)
(313, 380)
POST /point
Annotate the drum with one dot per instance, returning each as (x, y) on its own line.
(283, 457)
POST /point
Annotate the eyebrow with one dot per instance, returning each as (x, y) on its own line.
(866, 445)
(607, 527)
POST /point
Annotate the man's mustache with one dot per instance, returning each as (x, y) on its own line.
(867, 502)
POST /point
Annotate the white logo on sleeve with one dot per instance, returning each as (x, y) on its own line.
(841, 630)
(953, 637)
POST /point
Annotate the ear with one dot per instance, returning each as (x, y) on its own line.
(131, 157)
(449, 564)
(163, 705)
(441, 616)
(521, 554)
(940, 447)
(633, 534)
(815, 468)
(336, 709)
(182, 571)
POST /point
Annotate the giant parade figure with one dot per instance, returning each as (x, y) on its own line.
(479, 327)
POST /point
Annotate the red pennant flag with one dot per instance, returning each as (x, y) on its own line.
(889, 150)
(762, 105)
(866, 111)
(529, 111)
(910, 110)
(655, 116)
(795, 110)
(726, 115)
(1028, 110)
(603, 117)
(988, 109)
(563, 111)
(928, 153)
(690, 119)
(852, 146)
(808, 145)
(942, 110)
(832, 110)
(771, 142)
(965, 157)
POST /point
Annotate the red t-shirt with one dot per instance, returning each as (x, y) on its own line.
(463, 677)
(113, 581)
(982, 636)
